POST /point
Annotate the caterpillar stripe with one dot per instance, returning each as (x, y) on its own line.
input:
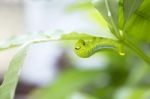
(86, 48)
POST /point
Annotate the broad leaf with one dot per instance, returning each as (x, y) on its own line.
(109, 10)
(69, 82)
(7, 89)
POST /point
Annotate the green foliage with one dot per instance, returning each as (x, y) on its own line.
(130, 6)
(139, 23)
(69, 82)
(110, 11)
(126, 19)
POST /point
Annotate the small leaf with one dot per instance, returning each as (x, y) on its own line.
(7, 89)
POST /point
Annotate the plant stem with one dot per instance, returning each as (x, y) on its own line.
(137, 50)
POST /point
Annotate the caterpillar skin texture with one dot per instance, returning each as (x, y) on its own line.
(86, 48)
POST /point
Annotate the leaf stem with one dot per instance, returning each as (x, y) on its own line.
(137, 50)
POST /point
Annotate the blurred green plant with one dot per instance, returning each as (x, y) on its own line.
(69, 82)
(128, 21)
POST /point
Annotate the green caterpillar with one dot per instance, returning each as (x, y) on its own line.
(86, 48)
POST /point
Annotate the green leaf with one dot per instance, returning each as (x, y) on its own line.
(7, 89)
(138, 25)
(130, 6)
(16, 41)
(69, 82)
(38, 38)
(109, 10)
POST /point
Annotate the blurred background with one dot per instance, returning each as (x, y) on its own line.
(124, 77)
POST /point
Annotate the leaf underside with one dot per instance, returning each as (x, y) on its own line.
(109, 10)
(7, 89)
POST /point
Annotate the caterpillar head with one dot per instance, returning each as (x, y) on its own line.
(81, 49)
